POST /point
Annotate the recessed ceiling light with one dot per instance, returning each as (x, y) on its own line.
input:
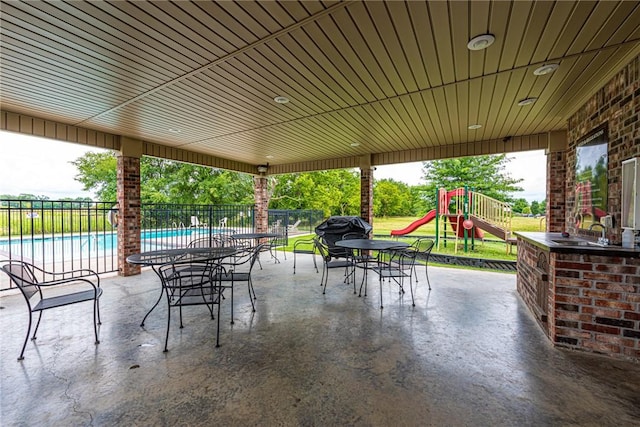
(473, 127)
(269, 156)
(480, 42)
(281, 99)
(174, 130)
(545, 69)
(527, 101)
(355, 144)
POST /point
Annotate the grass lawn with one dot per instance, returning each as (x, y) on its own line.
(491, 248)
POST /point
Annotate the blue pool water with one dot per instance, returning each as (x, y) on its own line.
(89, 245)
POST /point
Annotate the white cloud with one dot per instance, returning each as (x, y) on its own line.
(40, 166)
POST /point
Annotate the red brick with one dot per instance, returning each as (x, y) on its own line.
(567, 281)
(612, 330)
(615, 278)
(572, 333)
(630, 315)
(603, 295)
(603, 312)
(573, 299)
(615, 304)
(572, 315)
(612, 268)
(574, 266)
(561, 290)
(615, 287)
(601, 347)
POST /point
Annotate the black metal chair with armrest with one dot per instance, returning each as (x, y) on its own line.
(189, 284)
(237, 269)
(25, 277)
(329, 263)
(396, 265)
(423, 246)
(304, 246)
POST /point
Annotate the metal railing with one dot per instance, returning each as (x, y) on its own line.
(491, 210)
(58, 235)
(67, 235)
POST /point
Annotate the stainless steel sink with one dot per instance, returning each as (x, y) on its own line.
(566, 242)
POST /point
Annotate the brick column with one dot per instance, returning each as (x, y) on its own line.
(261, 210)
(128, 178)
(366, 194)
(556, 191)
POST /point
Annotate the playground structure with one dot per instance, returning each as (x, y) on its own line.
(468, 214)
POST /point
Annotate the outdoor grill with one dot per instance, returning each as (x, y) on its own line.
(333, 228)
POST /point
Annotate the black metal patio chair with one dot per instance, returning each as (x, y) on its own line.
(304, 246)
(237, 269)
(328, 263)
(190, 284)
(25, 276)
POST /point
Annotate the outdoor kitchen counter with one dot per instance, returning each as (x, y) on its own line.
(554, 242)
(583, 296)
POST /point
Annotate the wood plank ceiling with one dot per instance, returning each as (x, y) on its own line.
(362, 77)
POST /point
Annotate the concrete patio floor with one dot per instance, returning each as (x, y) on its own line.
(469, 353)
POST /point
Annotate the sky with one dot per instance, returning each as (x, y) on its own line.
(31, 165)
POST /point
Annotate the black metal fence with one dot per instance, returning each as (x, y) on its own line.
(67, 235)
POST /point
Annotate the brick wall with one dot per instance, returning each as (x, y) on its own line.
(128, 181)
(596, 304)
(366, 194)
(531, 277)
(556, 191)
(261, 196)
(618, 105)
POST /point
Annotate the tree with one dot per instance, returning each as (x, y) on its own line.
(535, 207)
(334, 192)
(391, 198)
(97, 171)
(520, 206)
(483, 174)
(542, 209)
(166, 181)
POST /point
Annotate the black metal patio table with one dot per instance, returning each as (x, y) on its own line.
(155, 259)
(362, 245)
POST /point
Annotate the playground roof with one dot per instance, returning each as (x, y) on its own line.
(388, 82)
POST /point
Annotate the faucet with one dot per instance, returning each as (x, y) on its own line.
(602, 239)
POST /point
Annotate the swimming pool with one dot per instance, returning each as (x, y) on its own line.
(94, 244)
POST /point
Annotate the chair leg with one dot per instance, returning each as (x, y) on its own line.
(426, 272)
(413, 301)
(96, 317)
(26, 338)
(98, 311)
(35, 331)
(294, 263)
(324, 280)
(218, 320)
(314, 262)
(166, 338)
(232, 286)
(381, 306)
(250, 287)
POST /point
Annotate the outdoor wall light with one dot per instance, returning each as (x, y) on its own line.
(480, 42)
(263, 168)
